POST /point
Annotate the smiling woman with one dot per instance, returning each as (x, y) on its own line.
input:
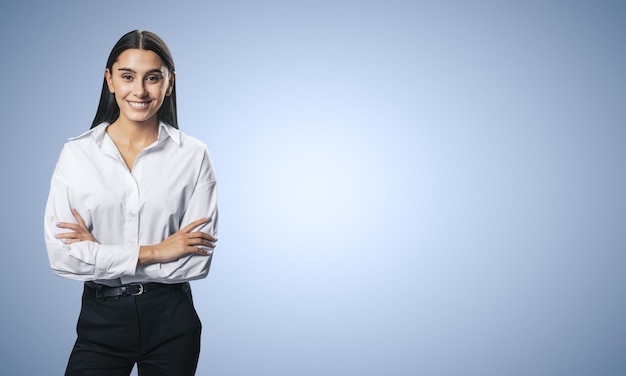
(132, 212)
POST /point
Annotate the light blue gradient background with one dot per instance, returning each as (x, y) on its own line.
(432, 188)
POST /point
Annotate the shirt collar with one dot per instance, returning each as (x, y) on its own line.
(99, 131)
(170, 131)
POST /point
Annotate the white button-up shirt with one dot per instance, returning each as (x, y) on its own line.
(172, 183)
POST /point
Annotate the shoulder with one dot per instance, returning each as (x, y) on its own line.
(93, 137)
(198, 151)
(188, 149)
(77, 153)
(84, 150)
(190, 143)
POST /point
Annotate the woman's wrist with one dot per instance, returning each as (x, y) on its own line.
(147, 254)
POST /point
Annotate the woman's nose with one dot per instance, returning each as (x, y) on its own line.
(139, 88)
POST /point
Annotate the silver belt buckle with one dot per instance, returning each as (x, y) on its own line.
(141, 290)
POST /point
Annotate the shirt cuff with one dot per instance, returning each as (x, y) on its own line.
(116, 261)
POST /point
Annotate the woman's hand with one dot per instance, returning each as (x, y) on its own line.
(182, 243)
(80, 232)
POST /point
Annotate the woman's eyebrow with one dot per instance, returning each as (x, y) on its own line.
(155, 70)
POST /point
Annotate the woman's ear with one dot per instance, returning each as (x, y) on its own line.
(109, 80)
(171, 84)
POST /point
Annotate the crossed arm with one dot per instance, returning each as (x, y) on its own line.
(182, 243)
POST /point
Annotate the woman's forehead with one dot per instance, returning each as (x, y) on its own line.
(137, 59)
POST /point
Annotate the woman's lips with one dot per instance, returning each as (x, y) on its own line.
(138, 105)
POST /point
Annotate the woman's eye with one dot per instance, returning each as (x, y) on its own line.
(127, 77)
(153, 78)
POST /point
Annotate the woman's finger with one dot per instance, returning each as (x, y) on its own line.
(74, 234)
(209, 244)
(195, 224)
(202, 242)
(68, 237)
(79, 218)
(202, 235)
(67, 225)
(198, 251)
(79, 233)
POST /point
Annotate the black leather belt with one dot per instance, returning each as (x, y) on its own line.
(131, 289)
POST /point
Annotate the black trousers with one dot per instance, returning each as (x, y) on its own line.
(159, 331)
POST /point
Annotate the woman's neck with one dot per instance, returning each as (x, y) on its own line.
(134, 134)
(131, 138)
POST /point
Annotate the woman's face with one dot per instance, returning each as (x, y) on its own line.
(140, 82)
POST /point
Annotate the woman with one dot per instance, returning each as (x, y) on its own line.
(132, 212)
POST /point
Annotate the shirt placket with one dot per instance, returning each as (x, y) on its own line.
(131, 211)
(131, 195)
(132, 204)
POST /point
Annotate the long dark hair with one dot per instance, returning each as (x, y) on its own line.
(108, 110)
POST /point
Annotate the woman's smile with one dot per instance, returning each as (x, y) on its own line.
(138, 105)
